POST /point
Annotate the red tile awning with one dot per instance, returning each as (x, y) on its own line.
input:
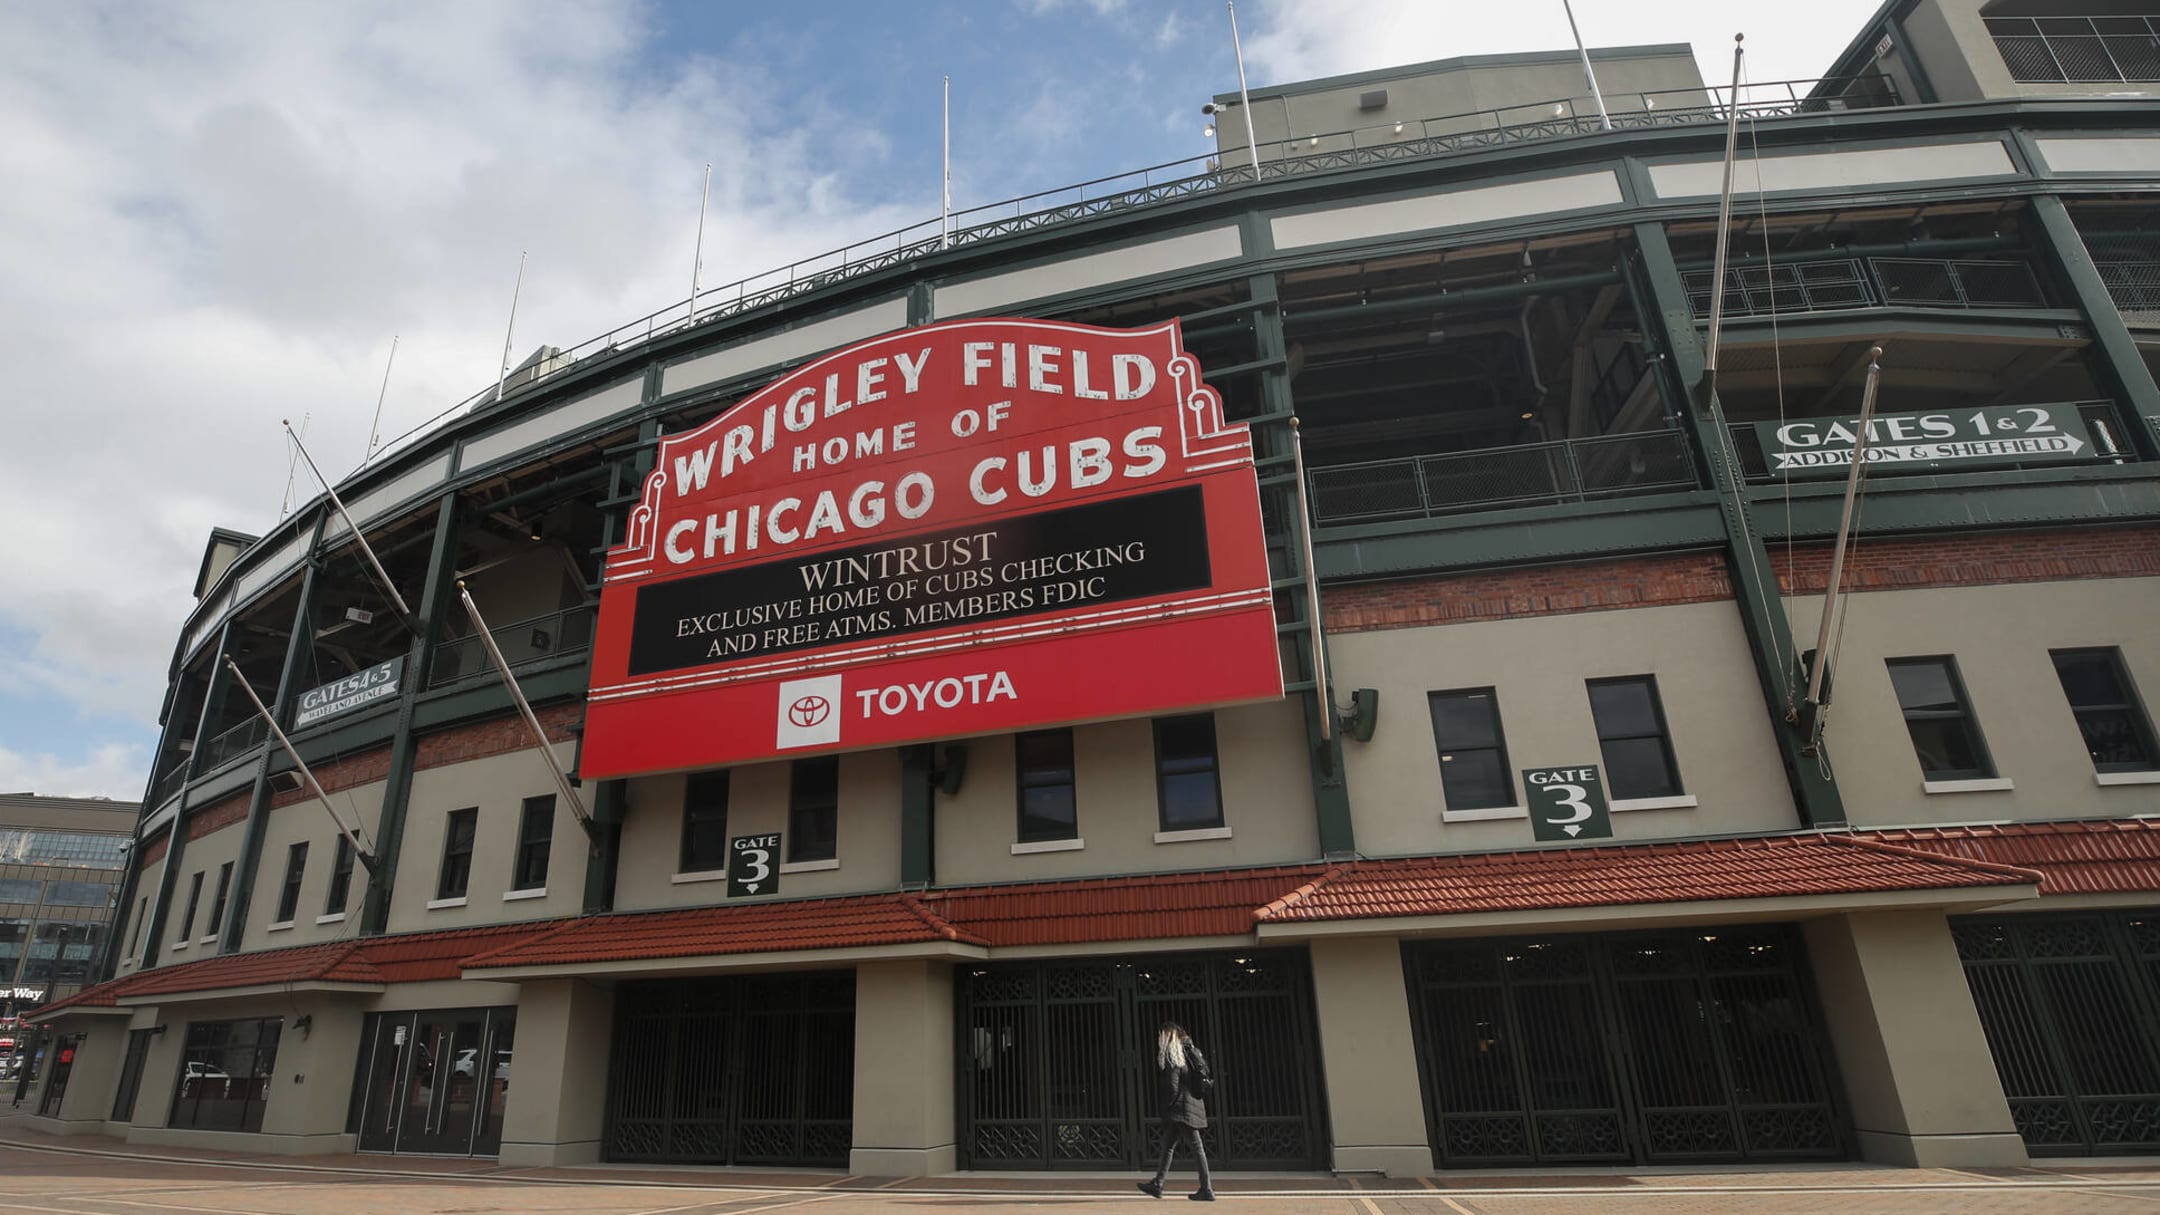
(1630, 874)
(861, 921)
(2095, 856)
(1117, 909)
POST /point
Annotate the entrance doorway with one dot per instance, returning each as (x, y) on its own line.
(2071, 1007)
(755, 1069)
(1688, 1045)
(434, 1082)
(1057, 1060)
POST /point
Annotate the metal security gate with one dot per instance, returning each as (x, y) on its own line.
(2071, 1006)
(1056, 1059)
(1649, 1047)
(757, 1069)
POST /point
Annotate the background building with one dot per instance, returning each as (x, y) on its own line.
(61, 860)
(1546, 539)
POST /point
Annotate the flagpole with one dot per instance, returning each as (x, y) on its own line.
(1252, 142)
(375, 427)
(365, 549)
(507, 333)
(1312, 590)
(697, 259)
(360, 850)
(945, 219)
(532, 722)
(1724, 215)
(1589, 75)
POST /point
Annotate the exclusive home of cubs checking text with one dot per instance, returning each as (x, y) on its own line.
(923, 640)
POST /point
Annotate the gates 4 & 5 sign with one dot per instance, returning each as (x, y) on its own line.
(1567, 804)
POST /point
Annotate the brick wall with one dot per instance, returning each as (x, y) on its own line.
(218, 815)
(1981, 559)
(343, 773)
(498, 736)
(153, 852)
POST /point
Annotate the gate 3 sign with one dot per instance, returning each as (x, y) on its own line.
(966, 528)
(1567, 803)
(1961, 438)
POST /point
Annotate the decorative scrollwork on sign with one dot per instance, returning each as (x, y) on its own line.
(1688, 1132)
(1093, 1141)
(1269, 1139)
(827, 1142)
(2124, 1122)
(1003, 986)
(697, 1141)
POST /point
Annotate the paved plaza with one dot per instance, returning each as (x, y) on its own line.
(47, 1175)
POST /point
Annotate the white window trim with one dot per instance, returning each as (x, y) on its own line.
(207, 940)
(180, 944)
(1482, 814)
(699, 875)
(2127, 778)
(1684, 801)
(1074, 844)
(1192, 835)
(280, 926)
(1987, 784)
(439, 904)
(335, 917)
(512, 896)
(832, 862)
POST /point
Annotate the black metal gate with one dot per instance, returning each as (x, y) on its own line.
(2071, 1006)
(756, 1069)
(1652, 1047)
(1055, 1059)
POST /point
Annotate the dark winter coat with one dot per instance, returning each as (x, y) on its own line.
(1178, 1090)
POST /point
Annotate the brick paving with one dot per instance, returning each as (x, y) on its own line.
(43, 1174)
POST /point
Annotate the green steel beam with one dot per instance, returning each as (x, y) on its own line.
(404, 742)
(2122, 364)
(176, 831)
(1762, 609)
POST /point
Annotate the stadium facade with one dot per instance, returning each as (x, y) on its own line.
(1575, 842)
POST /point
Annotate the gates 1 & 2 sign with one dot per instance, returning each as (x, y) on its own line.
(1956, 438)
(966, 528)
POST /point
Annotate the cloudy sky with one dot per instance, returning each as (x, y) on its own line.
(217, 214)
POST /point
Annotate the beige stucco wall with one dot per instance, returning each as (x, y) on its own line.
(1266, 791)
(559, 1073)
(498, 785)
(305, 820)
(202, 856)
(1375, 1107)
(1915, 1061)
(310, 1081)
(96, 1072)
(1721, 733)
(2000, 637)
(904, 1115)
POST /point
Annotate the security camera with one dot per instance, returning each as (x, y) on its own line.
(1212, 108)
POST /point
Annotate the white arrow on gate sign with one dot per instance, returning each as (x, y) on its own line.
(1572, 829)
(751, 887)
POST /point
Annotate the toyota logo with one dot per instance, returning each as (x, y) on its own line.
(809, 710)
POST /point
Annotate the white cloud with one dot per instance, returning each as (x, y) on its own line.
(1300, 39)
(116, 771)
(217, 215)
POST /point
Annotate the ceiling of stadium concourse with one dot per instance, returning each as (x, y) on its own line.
(1462, 349)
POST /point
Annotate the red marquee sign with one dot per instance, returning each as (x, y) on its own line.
(966, 528)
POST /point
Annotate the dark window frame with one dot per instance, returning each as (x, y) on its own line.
(210, 1089)
(1171, 767)
(1509, 797)
(1965, 714)
(216, 923)
(131, 1070)
(142, 923)
(2130, 705)
(341, 867)
(705, 803)
(533, 851)
(456, 867)
(288, 904)
(1663, 735)
(1034, 829)
(805, 802)
(194, 904)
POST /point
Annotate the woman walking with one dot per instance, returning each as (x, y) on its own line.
(1182, 1085)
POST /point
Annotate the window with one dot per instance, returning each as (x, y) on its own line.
(288, 904)
(814, 810)
(194, 900)
(1944, 735)
(217, 904)
(704, 822)
(2117, 734)
(536, 832)
(142, 917)
(457, 853)
(1474, 772)
(225, 1075)
(80, 894)
(14, 935)
(341, 863)
(1188, 793)
(123, 1105)
(61, 951)
(1048, 810)
(1632, 737)
(73, 849)
(2098, 49)
(19, 890)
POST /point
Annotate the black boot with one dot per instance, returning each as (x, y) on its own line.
(1152, 1189)
(1202, 1196)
